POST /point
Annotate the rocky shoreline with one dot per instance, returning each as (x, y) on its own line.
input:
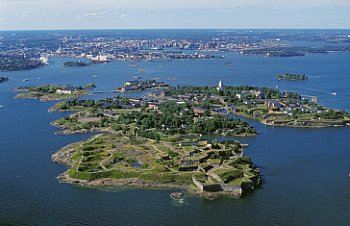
(66, 131)
(19, 96)
(109, 182)
(137, 183)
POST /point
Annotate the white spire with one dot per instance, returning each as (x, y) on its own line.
(220, 85)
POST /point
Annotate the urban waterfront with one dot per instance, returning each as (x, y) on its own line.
(305, 171)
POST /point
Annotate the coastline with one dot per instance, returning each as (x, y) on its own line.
(46, 99)
(65, 131)
(138, 183)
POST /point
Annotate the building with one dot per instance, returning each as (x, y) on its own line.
(153, 106)
(198, 111)
(273, 104)
(44, 60)
(64, 91)
(254, 93)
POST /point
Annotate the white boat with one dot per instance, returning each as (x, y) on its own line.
(334, 93)
(25, 80)
(1, 106)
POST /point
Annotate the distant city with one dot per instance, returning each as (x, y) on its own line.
(27, 50)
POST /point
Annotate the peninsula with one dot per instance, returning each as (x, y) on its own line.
(53, 92)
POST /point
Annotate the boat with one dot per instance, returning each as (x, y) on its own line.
(136, 77)
(334, 93)
(94, 76)
(25, 80)
(1, 106)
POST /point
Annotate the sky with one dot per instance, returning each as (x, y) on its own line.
(166, 14)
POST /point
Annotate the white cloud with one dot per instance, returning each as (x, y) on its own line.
(22, 16)
(90, 14)
(97, 14)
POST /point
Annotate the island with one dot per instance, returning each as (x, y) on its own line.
(136, 85)
(3, 79)
(77, 63)
(292, 77)
(151, 144)
(206, 168)
(53, 92)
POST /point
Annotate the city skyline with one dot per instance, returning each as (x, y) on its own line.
(155, 14)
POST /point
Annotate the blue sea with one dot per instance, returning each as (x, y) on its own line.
(305, 171)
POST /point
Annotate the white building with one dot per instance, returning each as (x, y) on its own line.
(44, 60)
(64, 91)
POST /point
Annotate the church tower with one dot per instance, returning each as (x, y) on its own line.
(220, 86)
